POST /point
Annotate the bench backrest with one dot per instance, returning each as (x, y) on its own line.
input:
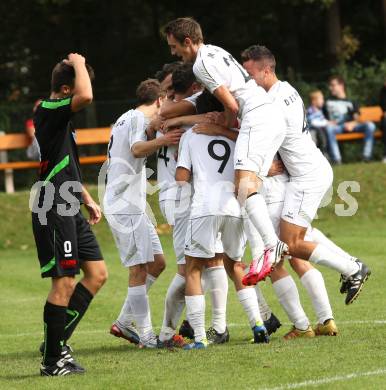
(83, 137)
(372, 114)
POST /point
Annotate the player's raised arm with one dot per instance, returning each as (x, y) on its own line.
(82, 93)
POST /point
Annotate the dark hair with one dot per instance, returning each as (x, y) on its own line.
(338, 78)
(182, 28)
(183, 78)
(207, 102)
(148, 91)
(259, 53)
(166, 70)
(64, 74)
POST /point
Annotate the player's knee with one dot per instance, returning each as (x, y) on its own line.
(101, 277)
(137, 274)
(300, 266)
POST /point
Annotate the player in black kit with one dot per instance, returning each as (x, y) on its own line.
(64, 240)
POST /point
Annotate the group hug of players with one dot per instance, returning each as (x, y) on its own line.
(235, 165)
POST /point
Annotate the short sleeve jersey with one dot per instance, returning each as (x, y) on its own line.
(210, 159)
(126, 174)
(298, 152)
(59, 160)
(215, 67)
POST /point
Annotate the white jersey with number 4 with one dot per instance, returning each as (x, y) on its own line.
(126, 174)
(210, 159)
(215, 67)
(298, 151)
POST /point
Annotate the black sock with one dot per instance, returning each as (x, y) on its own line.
(54, 322)
(79, 302)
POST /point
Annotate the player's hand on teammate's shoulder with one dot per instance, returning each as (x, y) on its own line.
(94, 211)
(74, 58)
(171, 123)
(208, 129)
(215, 117)
(172, 137)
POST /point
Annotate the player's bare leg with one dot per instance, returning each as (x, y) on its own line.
(247, 187)
(356, 273)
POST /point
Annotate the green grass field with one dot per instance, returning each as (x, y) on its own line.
(356, 359)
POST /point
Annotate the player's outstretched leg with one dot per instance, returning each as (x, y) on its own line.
(354, 273)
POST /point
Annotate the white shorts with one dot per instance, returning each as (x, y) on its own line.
(304, 195)
(261, 133)
(135, 237)
(202, 236)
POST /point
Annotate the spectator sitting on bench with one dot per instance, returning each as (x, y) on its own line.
(33, 152)
(317, 121)
(382, 103)
(344, 112)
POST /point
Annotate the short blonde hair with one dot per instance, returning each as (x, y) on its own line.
(315, 94)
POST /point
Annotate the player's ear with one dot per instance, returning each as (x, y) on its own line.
(187, 41)
(65, 90)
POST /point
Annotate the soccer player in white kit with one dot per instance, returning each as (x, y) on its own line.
(310, 178)
(125, 209)
(261, 131)
(207, 160)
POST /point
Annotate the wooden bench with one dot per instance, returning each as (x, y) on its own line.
(21, 141)
(367, 114)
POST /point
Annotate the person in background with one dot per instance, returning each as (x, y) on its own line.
(382, 103)
(345, 113)
(33, 152)
(317, 121)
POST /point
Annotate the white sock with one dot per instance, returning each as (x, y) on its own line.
(248, 300)
(314, 283)
(150, 279)
(139, 302)
(264, 309)
(324, 256)
(125, 317)
(218, 288)
(174, 306)
(258, 214)
(195, 312)
(254, 238)
(288, 295)
(319, 238)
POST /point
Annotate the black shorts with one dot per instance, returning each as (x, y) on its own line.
(63, 243)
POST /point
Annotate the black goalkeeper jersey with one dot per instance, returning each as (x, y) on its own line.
(59, 160)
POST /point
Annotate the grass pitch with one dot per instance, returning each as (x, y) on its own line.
(355, 359)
